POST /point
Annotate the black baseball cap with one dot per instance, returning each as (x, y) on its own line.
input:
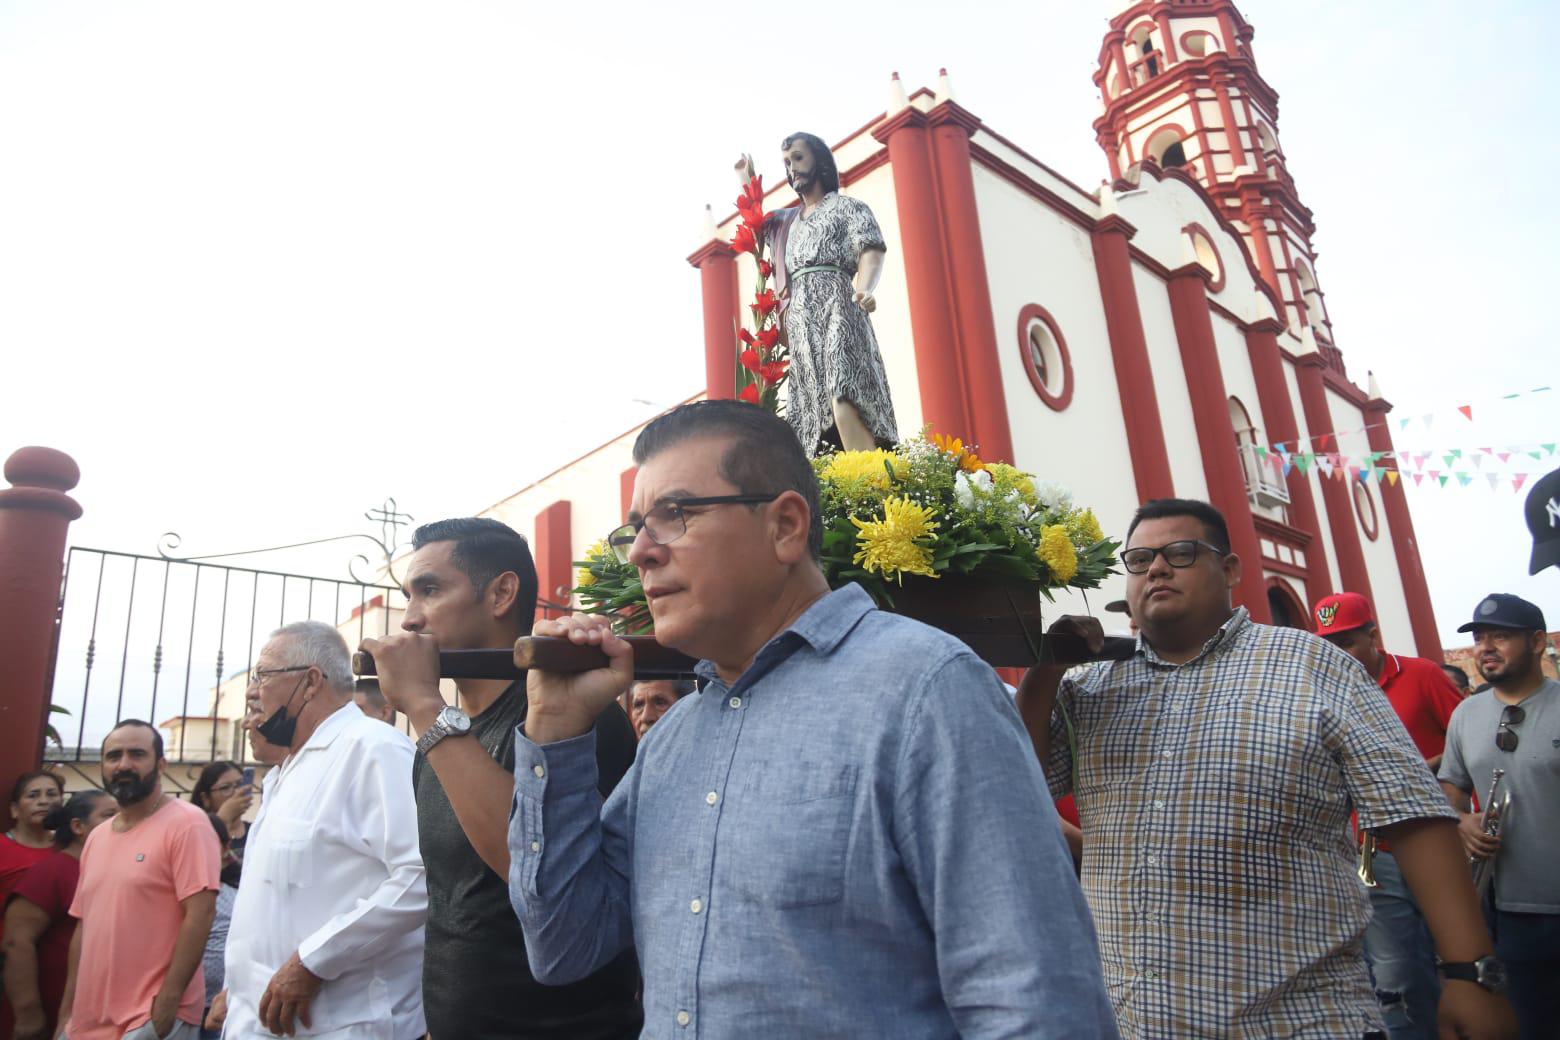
(1503, 610)
(1543, 520)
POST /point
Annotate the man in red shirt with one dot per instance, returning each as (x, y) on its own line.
(1397, 942)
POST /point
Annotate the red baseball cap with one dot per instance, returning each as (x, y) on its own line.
(1341, 612)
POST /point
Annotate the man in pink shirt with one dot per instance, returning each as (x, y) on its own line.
(147, 895)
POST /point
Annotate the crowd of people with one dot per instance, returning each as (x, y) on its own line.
(844, 828)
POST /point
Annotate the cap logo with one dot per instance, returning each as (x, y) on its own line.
(1488, 607)
(1326, 613)
(1552, 507)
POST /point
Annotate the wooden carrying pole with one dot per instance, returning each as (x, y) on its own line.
(654, 661)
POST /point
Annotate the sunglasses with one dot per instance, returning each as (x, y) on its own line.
(1505, 736)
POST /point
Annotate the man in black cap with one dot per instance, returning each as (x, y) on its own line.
(1515, 729)
(1543, 520)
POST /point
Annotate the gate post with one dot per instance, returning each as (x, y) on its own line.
(34, 514)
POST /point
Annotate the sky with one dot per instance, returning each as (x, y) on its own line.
(264, 265)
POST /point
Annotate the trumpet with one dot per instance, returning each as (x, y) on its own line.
(1367, 869)
(1495, 810)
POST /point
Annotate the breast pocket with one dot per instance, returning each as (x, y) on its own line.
(289, 852)
(789, 844)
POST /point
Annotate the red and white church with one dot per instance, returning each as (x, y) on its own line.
(1132, 342)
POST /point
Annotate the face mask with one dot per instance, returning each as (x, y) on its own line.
(280, 729)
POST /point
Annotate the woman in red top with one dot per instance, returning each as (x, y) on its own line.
(33, 798)
(38, 925)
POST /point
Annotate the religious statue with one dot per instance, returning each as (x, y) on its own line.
(828, 256)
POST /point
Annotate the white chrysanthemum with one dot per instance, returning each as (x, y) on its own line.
(968, 486)
(1053, 496)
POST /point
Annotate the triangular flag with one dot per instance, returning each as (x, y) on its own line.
(1429, 420)
(1550, 448)
(1262, 452)
(1304, 460)
(1424, 457)
(1467, 410)
(1286, 466)
(1503, 455)
(1403, 423)
(1356, 473)
(1443, 480)
(1494, 479)
(1419, 478)
(1324, 464)
(1452, 456)
(1476, 460)
(1465, 479)
(1325, 438)
(1517, 481)
(1392, 477)
(1488, 451)
(1536, 454)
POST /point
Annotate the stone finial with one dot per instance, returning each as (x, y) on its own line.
(1108, 207)
(708, 230)
(944, 87)
(1308, 341)
(897, 100)
(39, 479)
(1372, 388)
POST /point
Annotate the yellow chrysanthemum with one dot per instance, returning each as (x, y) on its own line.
(889, 546)
(583, 578)
(1005, 477)
(1057, 553)
(968, 461)
(869, 467)
(1084, 528)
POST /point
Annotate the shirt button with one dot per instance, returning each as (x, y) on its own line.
(538, 770)
(1159, 803)
(1151, 974)
(1167, 753)
(696, 905)
(683, 1018)
(735, 702)
(1151, 859)
(536, 846)
(711, 798)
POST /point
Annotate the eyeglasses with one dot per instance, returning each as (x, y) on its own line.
(1505, 736)
(1176, 554)
(258, 675)
(231, 785)
(666, 522)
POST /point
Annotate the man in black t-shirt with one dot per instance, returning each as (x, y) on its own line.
(470, 584)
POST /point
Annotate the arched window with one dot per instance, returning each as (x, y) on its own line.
(1285, 606)
(1149, 59)
(1365, 509)
(1165, 147)
(1207, 255)
(1263, 486)
(1310, 296)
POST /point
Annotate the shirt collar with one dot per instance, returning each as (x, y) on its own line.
(1224, 636)
(823, 626)
(326, 732)
(1389, 669)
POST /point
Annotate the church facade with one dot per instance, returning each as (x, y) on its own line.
(1159, 335)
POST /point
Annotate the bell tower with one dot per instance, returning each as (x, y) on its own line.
(1180, 88)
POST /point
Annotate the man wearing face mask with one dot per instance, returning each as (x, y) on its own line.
(146, 898)
(327, 930)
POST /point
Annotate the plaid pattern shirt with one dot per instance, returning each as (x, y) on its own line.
(1218, 859)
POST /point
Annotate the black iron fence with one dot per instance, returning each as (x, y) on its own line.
(172, 641)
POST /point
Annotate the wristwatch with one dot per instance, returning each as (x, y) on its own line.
(450, 722)
(1488, 971)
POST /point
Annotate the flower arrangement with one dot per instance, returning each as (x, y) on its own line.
(929, 508)
(762, 359)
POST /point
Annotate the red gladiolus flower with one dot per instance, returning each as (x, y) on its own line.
(752, 213)
(749, 394)
(766, 268)
(754, 190)
(772, 373)
(747, 337)
(749, 359)
(766, 302)
(743, 241)
(767, 338)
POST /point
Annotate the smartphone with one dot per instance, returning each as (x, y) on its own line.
(249, 776)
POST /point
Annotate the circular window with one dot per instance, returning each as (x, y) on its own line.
(1046, 360)
(1207, 255)
(1365, 509)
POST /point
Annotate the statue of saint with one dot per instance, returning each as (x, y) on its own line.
(828, 255)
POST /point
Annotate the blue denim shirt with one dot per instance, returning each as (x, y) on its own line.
(853, 840)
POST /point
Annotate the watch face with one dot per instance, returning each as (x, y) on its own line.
(1492, 974)
(456, 720)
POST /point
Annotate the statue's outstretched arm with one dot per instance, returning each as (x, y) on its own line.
(868, 270)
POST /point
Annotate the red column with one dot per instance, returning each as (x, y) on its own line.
(34, 515)
(1129, 354)
(1267, 365)
(1340, 508)
(1166, 38)
(626, 488)
(985, 395)
(1231, 130)
(1215, 433)
(1254, 214)
(553, 553)
(938, 374)
(717, 265)
(1427, 640)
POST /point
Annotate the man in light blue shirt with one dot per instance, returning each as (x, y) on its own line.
(844, 833)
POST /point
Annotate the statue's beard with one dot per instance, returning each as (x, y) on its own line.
(802, 182)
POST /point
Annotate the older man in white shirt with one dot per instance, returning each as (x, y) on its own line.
(327, 933)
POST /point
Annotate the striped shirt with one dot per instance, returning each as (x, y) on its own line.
(1218, 859)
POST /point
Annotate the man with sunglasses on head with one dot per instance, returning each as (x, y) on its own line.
(842, 834)
(471, 585)
(1215, 772)
(1514, 727)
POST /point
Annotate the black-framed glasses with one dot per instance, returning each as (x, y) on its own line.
(227, 788)
(667, 520)
(258, 675)
(1505, 736)
(1177, 554)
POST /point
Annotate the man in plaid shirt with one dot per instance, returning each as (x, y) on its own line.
(1215, 773)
